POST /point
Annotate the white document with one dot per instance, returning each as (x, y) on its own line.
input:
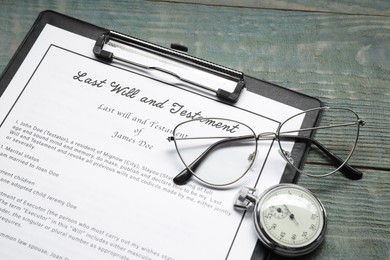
(86, 169)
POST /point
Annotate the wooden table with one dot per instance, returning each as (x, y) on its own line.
(338, 52)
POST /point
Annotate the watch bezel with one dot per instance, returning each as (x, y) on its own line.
(278, 248)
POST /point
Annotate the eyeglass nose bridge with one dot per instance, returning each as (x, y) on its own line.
(286, 155)
(267, 135)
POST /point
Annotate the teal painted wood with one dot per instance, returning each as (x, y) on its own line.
(377, 7)
(340, 58)
(358, 214)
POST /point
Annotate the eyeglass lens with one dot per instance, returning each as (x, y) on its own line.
(336, 134)
(217, 151)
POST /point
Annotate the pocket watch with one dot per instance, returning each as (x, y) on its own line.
(288, 218)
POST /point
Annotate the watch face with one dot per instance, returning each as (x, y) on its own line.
(290, 218)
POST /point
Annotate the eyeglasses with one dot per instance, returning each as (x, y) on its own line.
(220, 151)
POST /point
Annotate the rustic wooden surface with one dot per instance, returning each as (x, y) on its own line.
(338, 51)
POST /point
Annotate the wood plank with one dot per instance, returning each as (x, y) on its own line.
(340, 58)
(358, 214)
(373, 8)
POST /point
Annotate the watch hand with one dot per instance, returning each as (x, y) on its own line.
(292, 217)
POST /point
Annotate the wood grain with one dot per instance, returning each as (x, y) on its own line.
(377, 7)
(336, 51)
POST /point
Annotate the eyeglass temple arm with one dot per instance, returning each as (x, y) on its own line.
(347, 170)
(185, 175)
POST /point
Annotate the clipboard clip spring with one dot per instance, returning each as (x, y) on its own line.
(175, 55)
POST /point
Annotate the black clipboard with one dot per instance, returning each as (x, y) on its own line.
(260, 87)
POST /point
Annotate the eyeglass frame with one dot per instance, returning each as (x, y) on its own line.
(348, 171)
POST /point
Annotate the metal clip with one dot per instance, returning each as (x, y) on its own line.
(179, 56)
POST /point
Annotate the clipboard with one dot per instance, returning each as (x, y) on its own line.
(260, 87)
(101, 36)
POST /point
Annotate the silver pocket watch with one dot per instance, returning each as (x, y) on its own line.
(289, 219)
